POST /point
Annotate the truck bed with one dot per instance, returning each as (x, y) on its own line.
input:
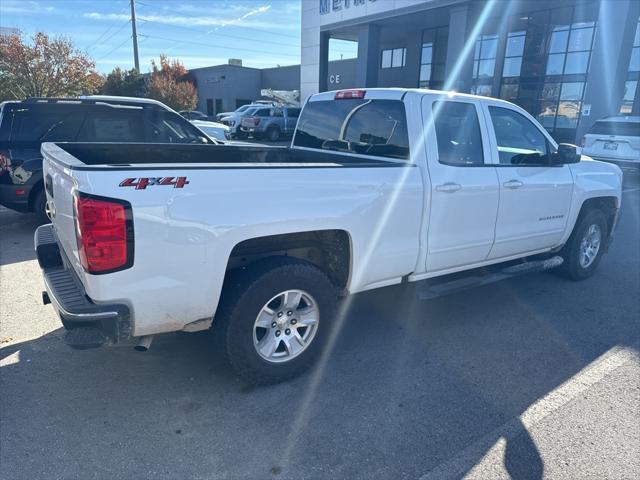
(92, 155)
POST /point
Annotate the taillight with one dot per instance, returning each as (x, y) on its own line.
(344, 94)
(104, 230)
(583, 141)
(5, 162)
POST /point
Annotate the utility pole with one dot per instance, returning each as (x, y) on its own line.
(134, 36)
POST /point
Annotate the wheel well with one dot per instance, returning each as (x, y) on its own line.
(328, 249)
(607, 205)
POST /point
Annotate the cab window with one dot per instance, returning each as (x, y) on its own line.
(458, 133)
(363, 126)
(519, 141)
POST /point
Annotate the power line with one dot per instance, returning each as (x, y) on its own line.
(231, 24)
(114, 49)
(202, 44)
(106, 31)
(212, 33)
(117, 31)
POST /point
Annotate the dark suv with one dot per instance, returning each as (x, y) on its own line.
(25, 124)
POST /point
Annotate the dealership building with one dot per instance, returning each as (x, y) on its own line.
(567, 62)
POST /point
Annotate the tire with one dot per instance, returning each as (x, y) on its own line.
(589, 226)
(241, 310)
(273, 134)
(40, 207)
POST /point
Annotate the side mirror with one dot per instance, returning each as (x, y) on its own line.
(566, 153)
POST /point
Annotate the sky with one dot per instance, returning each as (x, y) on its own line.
(198, 32)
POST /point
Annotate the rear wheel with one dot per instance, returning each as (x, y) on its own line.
(274, 319)
(273, 134)
(40, 207)
(583, 251)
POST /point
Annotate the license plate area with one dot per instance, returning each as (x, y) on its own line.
(611, 146)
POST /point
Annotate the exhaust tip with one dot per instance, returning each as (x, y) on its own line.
(144, 343)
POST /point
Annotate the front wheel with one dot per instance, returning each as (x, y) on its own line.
(274, 319)
(583, 251)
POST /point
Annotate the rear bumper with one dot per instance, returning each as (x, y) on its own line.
(87, 324)
(15, 197)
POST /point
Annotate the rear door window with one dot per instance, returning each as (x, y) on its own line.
(623, 129)
(363, 126)
(46, 123)
(113, 124)
(458, 133)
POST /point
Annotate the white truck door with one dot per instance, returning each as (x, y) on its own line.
(534, 197)
(464, 185)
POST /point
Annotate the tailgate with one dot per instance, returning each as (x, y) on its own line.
(60, 185)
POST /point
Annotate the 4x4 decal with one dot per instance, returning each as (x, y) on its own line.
(144, 182)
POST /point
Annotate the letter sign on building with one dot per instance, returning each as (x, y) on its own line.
(328, 6)
(334, 78)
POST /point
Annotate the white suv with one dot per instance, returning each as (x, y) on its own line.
(615, 139)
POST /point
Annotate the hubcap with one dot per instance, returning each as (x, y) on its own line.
(590, 246)
(286, 326)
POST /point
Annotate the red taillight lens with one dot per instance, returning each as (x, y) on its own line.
(5, 162)
(102, 233)
(343, 94)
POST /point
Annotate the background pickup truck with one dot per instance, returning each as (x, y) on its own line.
(379, 187)
(270, 123)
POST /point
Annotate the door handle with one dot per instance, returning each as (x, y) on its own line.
(513, 184)
(449, 187)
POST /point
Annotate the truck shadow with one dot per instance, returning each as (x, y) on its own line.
(408, 384)
(16, 236)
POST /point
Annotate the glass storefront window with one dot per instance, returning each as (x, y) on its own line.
(577, 62)
(580, 40)
(555, 64)
(433, 57)
(558, 42)
(509, 92)
(631, 91)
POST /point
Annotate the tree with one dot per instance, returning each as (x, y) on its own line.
(167, 83)
(46, 68)
(126, 83)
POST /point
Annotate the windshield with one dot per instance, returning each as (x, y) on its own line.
(167, 127)
(370, 127)
(213, 132)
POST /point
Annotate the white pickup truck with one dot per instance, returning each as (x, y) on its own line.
(379, 187)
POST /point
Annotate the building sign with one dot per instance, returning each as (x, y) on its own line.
(334, 79)
(328, 6)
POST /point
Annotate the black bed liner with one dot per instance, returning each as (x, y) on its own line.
(138, 154)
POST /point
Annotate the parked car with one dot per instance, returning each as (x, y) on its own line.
(25, 124)
(270, 123)
(214, 130)
(233, 119)
(615, 139)
(220, 116)
(379, 187)
(194, 115)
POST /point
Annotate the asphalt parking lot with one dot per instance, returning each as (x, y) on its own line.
(537, 377)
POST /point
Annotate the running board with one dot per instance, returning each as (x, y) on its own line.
(460, 284)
